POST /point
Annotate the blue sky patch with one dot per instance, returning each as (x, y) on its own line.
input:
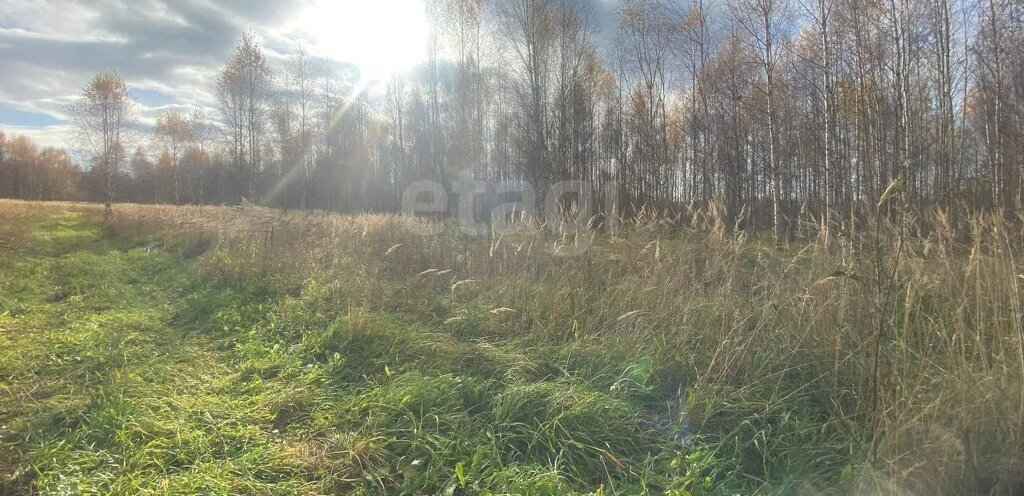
(13, 117)
(153, 98)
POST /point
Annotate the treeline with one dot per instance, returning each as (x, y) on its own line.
(774, 108)
(28, 173)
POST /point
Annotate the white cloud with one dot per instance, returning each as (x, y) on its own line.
(174, 48)
(57, 136)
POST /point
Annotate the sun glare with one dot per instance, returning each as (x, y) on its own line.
(381, 37)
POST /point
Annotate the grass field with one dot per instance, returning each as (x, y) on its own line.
(227, 350)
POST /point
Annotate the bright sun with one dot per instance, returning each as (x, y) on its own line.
(381, 37)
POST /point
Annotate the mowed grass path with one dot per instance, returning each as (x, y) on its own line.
(107, 385)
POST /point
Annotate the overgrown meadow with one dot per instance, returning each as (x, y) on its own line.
(248, 350)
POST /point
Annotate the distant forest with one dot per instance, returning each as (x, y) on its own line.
(776, 110)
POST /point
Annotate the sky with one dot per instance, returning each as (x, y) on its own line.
(170, 51)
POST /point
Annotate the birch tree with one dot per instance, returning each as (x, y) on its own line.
(101, 118)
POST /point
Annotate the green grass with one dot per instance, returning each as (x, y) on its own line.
(107, 388)
(124, 370)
